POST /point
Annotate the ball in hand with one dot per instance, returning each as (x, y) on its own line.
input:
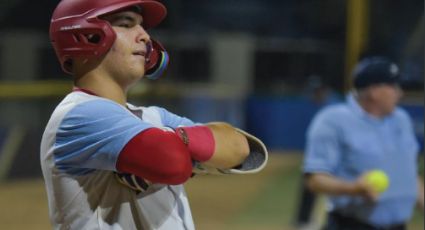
(378, 179)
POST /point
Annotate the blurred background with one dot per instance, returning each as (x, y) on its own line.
(264, 66)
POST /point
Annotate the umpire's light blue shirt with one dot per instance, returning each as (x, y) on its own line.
(345, 141)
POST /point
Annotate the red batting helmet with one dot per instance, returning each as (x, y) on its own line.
(77, 31)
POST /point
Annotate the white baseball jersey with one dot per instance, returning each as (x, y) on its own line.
(79, 152)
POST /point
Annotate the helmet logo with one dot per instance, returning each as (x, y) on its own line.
(63, 28)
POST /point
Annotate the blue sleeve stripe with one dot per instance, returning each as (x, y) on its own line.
(92, 135)
(172, 120)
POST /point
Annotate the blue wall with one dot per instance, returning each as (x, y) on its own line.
(282, 122)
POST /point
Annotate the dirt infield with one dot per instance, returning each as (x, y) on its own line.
(23, 206)
(215, 200)
(221, 202)
(264, 201)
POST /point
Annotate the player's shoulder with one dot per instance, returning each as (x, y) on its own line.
(158, 111)
(80, 103)
(333, 111)
(401, 114)
(330, 116)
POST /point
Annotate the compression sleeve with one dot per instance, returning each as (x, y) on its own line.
(158, 156)
(199, 140)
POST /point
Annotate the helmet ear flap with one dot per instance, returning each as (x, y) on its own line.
(157, 61)
(78, 30)
(87, 38)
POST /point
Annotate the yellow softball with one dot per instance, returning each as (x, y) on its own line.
(378, 179)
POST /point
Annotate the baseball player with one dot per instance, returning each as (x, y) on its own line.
(108, 164)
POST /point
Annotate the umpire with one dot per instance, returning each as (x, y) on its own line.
(367, 132)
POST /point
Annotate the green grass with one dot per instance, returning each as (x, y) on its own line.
(276, 204)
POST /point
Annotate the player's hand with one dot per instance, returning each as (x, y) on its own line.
(364, 189)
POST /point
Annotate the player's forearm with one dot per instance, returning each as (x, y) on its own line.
(330, 185)
(231, 147)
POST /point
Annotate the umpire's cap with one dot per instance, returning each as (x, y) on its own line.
(375, 70)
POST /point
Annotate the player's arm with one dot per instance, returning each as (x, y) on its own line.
(328, 184)
(162, 156)
(156, 155)
(323, 155)
(231, 147)
(215, 144)
(232, 151)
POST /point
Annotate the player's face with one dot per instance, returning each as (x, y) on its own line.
(386, 97)
(126, 59)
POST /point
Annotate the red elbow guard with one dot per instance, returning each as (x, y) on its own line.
(199, 140)
(158, 156)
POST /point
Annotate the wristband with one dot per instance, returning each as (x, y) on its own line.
(199, 140)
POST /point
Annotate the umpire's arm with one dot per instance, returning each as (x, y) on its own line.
(331, 185)
(420, 193)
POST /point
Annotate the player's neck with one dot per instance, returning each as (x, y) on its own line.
(371, 108)
(103, 87)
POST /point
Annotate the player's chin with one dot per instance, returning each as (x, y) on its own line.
(138, 70)
(134, 76)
